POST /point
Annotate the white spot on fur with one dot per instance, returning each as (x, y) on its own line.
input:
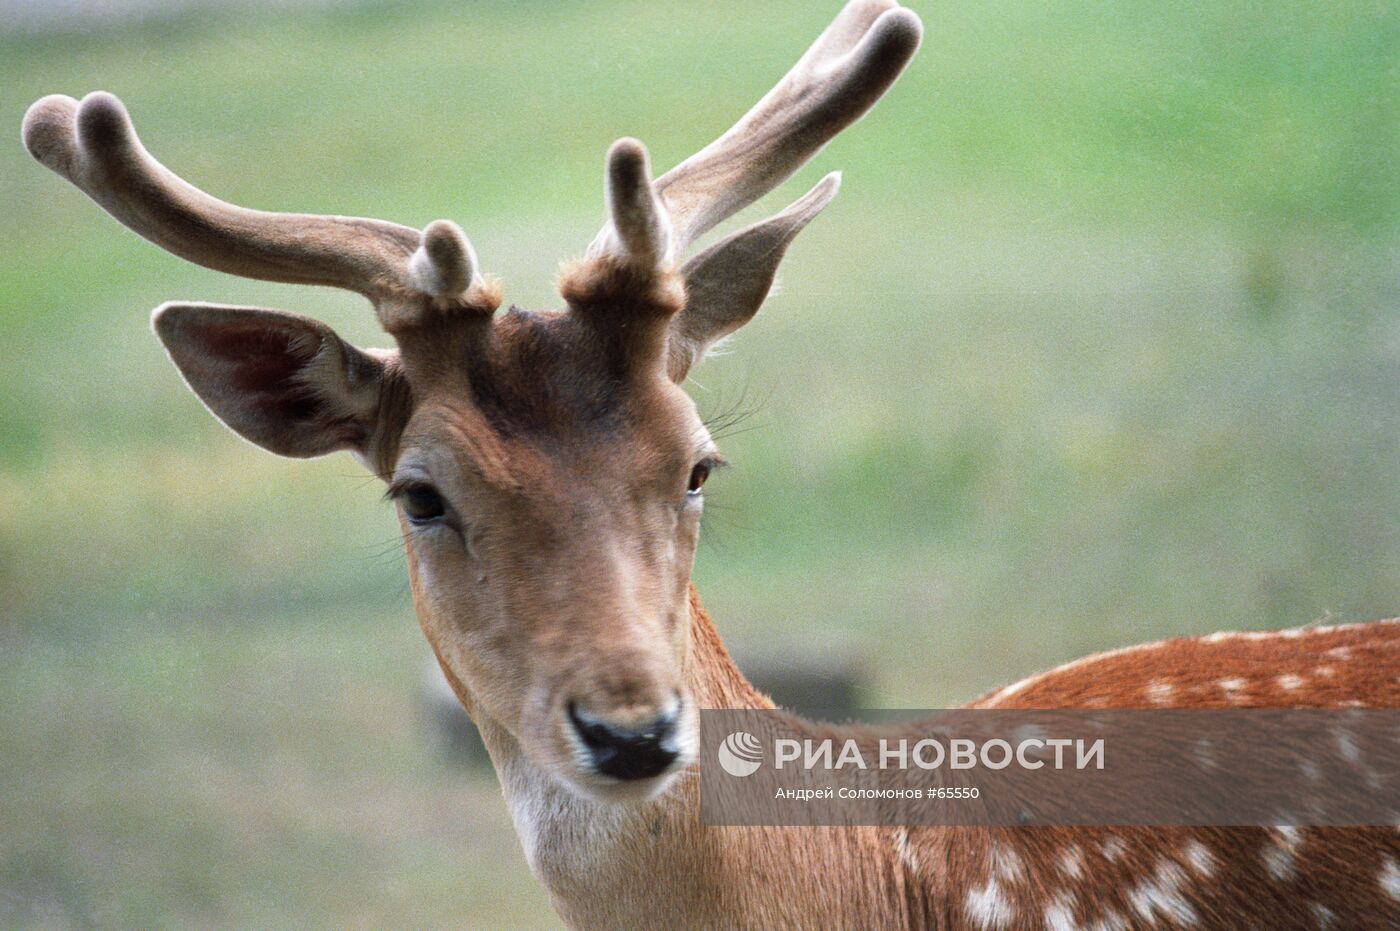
(901, 844)
(1233, 685)
(1060, 916)
(1290, 682)
(1162, 894)
(1323, 915)
(1159, 692)
(1326, 672)
(1072, 862)
(1113, 848)
(1341, 653)
(1346, 741)
(1205, 753)
(1201, 860)
(989, 906)
(1390, 878)
(1280, 863)
(1005, 863)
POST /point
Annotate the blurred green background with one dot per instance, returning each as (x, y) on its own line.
(1098, 344)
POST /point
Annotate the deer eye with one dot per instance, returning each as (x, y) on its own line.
(422, 504)
(698, 476)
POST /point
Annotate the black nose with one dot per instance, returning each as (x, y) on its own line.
(624, 753)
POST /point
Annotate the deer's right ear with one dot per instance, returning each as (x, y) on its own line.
(726, 284)
(284, 382)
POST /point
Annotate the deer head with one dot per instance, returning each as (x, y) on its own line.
(547, 467)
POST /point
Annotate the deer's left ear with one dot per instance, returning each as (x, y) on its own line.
(284, 382)
(726, 284)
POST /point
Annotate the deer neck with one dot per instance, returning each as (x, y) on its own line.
(591, 855)
(654, 864)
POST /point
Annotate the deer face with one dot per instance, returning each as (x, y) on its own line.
(550, 515)
(547, 468)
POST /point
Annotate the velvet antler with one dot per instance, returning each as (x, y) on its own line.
(93, 144)
(841, 76)
(651, 223)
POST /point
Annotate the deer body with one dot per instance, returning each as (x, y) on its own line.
(548, 473)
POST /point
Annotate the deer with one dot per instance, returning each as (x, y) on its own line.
(548, 473)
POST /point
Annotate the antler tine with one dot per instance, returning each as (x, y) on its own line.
(93, 145)
(445, 264)
(638, 229)
(840, 77)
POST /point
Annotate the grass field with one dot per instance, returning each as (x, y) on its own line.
(1098, 344)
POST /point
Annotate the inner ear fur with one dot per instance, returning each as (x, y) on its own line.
(284, 382)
